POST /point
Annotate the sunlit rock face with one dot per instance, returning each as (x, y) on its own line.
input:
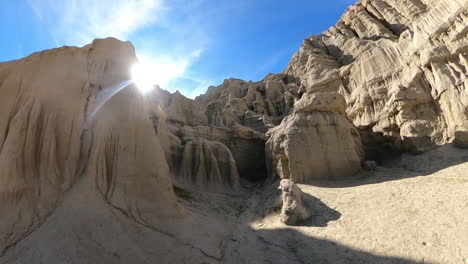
(48, 142)
(316, 141)
(257, 105)
(401, 66)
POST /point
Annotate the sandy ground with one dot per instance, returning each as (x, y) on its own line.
(415, 211)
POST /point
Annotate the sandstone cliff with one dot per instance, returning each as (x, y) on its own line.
(50, 140)
(401, 66)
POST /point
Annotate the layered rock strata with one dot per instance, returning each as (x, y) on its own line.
(316, 141)
(401, 65)
(49, 139)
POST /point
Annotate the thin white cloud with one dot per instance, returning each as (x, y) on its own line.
(77, 22)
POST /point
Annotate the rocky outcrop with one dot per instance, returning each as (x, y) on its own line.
(208, 164)
(316, 141)
(49, 138)
(186, 136)
(246, 145)
(401, 65)
(294, 209)
(257, 105)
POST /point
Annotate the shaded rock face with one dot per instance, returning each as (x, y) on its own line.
(209, 164)
(401, 65)
(246, 145)
(315, 142)
(49, 141)
(187, 138)
(294, 209)
(377, 147)
(461, 139)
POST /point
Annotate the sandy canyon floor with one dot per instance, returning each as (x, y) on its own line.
(414, 210)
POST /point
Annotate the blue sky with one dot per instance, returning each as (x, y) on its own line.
(189, 44)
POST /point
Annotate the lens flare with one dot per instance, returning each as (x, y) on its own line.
(142, 77)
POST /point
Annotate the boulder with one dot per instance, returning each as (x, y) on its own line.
(461, 139)
(294, 209)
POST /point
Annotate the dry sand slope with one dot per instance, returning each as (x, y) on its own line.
(414, 212)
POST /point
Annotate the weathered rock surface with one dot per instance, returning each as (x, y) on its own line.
(258, 105)
(246, 145)
(49, 140)
(294, 209)
(182, 132)
(390, 77)
(316, 141)
(209, 164)
(401, 65)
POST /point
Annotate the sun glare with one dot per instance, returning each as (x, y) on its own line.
(142, 77)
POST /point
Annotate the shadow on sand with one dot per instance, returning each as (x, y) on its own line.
(408, 166)
(321, 213)
(291, 246)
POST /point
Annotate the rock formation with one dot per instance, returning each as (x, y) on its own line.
(49, 141)
(401, 66)
(294, 209)
(390, 77)
(316, 141)
(207, 163)
(184, 134)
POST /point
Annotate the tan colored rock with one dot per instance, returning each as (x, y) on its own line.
(316, 142)
(294, 209)
(49, 139)
(209, 165)
(72, 179)
(322, 102)
(258, 105)
(177, 109)
(246, 145)
(189, 143)
(401, 65)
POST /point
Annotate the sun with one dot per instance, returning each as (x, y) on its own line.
(143, 77)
